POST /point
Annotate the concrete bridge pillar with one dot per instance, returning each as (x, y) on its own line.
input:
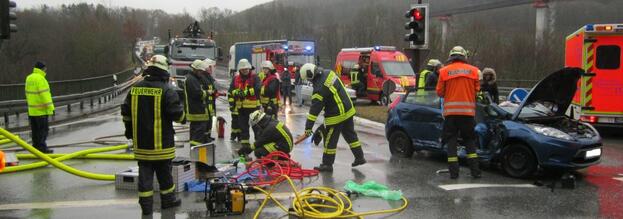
(542, 21)
(445, 24)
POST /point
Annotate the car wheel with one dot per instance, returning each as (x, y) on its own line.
(384, 100)
(518, 161)
(400, 144)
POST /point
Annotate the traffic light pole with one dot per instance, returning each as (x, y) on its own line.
(417, 57)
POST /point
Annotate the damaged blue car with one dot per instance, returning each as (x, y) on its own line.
(523, 138)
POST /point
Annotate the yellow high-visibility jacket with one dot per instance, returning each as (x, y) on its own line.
(38, 94)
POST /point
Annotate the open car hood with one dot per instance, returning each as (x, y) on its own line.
(557, 88)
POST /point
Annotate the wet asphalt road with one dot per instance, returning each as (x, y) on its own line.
(52, 193)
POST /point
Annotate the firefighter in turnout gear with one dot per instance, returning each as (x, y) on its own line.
(269, 93)
(233, 109)
(432, 68)
(329, 95)
(356, 79)
(271, 135)
(212, 92)
(148, 114)
(458, 85)
(195, 93)
(245, 88)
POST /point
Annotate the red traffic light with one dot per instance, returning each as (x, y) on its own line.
(417, 15)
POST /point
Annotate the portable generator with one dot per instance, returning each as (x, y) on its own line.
(224, 198)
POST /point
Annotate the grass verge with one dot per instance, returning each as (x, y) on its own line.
(373, 112)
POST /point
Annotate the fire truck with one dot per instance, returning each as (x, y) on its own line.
(596, 48)
(280, 52)
(182, 51)
(387, 71)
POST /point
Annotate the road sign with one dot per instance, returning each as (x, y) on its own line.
(517, 95)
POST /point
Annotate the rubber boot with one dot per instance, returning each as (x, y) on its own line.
(359, 158)
(170, 201)
(324, 168)
(147, 205)
(474, 167)
(453, 167)
(327, 163)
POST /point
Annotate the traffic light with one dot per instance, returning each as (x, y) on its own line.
(7, 15)
(418, 26)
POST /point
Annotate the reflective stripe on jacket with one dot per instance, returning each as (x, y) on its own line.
(329, 95)
(354, 77)
(458, 85)
(38, 95)
(149, 110)
(270, 92)
(195, 95)
(245, 91)
(421, 81)
(274, 136)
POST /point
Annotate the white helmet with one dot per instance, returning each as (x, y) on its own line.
(268, 64)
(244, 64)
(458, 50)
(199, 65)
(256, 117)
(209, 62)
(159, 61)
(308, 71)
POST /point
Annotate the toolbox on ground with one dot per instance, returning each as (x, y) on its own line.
(183, 171)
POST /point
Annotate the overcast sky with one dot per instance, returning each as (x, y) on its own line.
(170, 6)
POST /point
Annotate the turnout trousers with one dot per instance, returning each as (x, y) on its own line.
(332, 136)
(163, 171)
(453, 127)
(243, 122)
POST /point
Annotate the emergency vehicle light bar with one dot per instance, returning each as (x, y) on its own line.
(369, 49)
(604, 28)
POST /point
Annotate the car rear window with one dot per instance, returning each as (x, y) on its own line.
(608, 57)
(423, 98)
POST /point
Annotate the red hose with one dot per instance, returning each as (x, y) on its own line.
(269, 169)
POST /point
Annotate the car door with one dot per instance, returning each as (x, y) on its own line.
(422, 118)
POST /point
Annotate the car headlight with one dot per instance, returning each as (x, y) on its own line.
(550, 132)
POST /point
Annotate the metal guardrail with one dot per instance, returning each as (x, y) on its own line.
(16, 107)
(12, 92)
(100, 89)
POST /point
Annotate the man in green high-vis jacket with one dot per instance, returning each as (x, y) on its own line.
(40, 106)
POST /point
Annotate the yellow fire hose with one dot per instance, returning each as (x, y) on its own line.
(56, 162)
(86, 156)
(335, 203)
(5, 141)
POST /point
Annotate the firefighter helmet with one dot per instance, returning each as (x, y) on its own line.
(256, 117)
(159, 61)
(199, 65)
(209, 62)
(458, 50)
(268, 64)
(434, 63)
(244, 64)
(308, 71)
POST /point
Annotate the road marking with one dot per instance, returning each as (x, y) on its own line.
(478, 185)
(618, 178)
(98, 203)
(67, 204)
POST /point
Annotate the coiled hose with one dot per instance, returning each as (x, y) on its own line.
(319, 202)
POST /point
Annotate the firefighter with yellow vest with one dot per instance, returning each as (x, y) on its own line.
(270, 91)
(148, 114)
(245, 90)
(432, 68)
(40, 106)
(195, 107)
(329, 95)
(458, 85)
